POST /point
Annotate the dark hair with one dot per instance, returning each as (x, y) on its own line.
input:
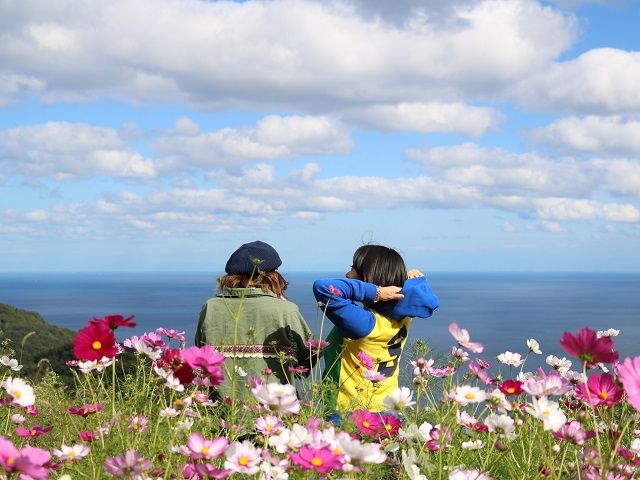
(267, 281)
(379, 265)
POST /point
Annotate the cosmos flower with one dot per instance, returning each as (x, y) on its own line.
(86, 409)
(321, 460)
(200, 447)
(277, 397)
(588, 347)
(269, 425)
(462, 474)
(534, 346)
(461, 336)
(131, 464)
(510, 358)
(71, 454)
(21, 392)
(374, 376)
(365, 360)
(242, 458)
(12, 363)
(549, 412)
(511, 387)
(466, 394)
(629, 376)
(95, 341)
(599, 391)
(573, 432)
(399, 399)
(503, 425)
(29, 462)
(115, 321)
(32, 432)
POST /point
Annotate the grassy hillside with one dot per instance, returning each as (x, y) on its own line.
(49, 342)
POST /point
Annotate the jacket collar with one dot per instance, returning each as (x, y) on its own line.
(245, 292)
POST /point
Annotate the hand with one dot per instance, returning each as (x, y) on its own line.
(390, 293)
(414, 273)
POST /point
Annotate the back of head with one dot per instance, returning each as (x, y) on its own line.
(254, 264)
(379, 265)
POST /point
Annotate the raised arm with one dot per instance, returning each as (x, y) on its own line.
(337, 297)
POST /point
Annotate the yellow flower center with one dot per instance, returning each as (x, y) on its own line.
(244, 461)
(268, 428)
(338, 451)
(204, 451)
(388, 427)
(603, 395)
(17, 394)
(316, 461)
(366, 424)
(96, 345)
(470, 396)
(511, 389)
(10, 461)
(33, 431)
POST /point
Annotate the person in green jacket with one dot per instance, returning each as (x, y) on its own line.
(252, 324)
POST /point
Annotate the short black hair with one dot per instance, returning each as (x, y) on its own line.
(379, 265)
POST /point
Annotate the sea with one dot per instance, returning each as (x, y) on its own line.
(500, 310)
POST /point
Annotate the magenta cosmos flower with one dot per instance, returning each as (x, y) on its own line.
(588, 347)
(599, 391)
(32, 432)
(115, 321)
(629, 376)
(87, 409)
(322, 460)
(95, 341)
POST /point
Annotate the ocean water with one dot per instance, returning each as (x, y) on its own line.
(500, 310)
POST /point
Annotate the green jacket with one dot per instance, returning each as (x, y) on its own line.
(255, 330)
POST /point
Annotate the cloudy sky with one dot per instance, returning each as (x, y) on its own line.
(142, 135)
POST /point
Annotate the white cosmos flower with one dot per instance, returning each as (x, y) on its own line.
(409, 462)
(238, 369)
(71, 453)
(510, 358)
(503, 425)
(290, 439)
(473, 445)
(399, 399)
(534, 346)
(357, 453)
(12, 363)
(561, 364)
(465, 394)
(612, 332)
(21, 392)
(549, 412)
(169, 412)
(277, 397)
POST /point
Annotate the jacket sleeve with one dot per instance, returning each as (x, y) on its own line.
(337, 297)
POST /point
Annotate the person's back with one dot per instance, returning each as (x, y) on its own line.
(251, 323)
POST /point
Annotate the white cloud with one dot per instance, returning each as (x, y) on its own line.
(310, 56)
(584, 209)
(274, 138)
(66, 150)
(428, 117)
(610, 134)
(599, 81)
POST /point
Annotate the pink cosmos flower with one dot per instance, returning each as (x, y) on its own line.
(32, 432)
(200, 447)
(588, 347)
(87, 436)
(171, 334)
(115, 321)
(322, 459)
(368, 423)
(545, 384)
(87, 409)
(374, 376)
(28, 461)
(206, 470)
(461, 336)
(269, 425)
(131, 464)
(365, 360)
(138, 423)
(390, 425)
(629, 376)
(599, 390)
(482, 374)
(277, 397)
(573, 432)
(461, 474)
(94, 341)
(315, 344)
(208, 360)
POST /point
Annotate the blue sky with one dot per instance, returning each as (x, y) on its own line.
(158, 135)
